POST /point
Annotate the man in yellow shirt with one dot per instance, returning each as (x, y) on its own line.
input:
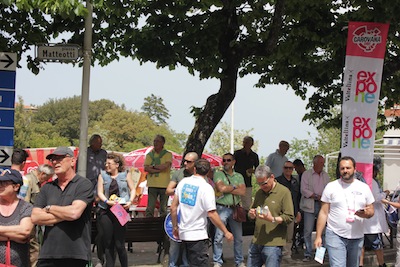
(158, 166)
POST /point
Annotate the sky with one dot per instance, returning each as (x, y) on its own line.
(273, 112)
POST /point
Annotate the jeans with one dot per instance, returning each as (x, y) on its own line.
(309, 223)
(343, 251)
(174, 252)
(397, 245)
(236, 228)
(259, 255)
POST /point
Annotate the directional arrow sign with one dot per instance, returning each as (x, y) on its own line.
(8, 61)
(5, 155)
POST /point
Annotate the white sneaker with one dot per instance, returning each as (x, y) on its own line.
(241, 265)
(217, 264)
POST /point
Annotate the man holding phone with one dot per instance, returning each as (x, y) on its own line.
(346, 202)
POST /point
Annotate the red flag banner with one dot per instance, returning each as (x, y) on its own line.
(366, 47)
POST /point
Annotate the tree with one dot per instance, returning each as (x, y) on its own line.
(55, 123)
(326, 141)
(154, 107)
(297, 43)
(220, 141)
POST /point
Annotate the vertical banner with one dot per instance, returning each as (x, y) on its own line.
(366, 47)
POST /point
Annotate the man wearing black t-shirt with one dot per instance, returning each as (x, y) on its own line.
(246, 162)
(64, 207)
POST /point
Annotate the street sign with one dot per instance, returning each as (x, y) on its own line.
(7, 137)
(8, 64)
(5, 155)
(7, 118)
(7, 98)
(58, 52)
(7, 79)
(8, 61)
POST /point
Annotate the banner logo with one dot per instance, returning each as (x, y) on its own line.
(366, 87)
(362, 133)
(366, 39)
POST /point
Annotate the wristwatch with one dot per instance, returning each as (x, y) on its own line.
(234, 187)
(47, 208)
(273, 220)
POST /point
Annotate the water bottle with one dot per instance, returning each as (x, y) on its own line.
(263, 210)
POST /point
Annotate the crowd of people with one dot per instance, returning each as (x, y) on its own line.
(46, 215)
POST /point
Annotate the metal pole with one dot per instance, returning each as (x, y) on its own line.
(232, 126)
(87, 58)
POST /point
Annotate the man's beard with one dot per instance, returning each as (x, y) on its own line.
(348, 178)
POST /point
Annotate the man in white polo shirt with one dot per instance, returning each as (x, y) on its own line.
(346, 202)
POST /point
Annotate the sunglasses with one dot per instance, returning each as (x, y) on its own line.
(288, 168)
(226, 160)
(188, 161)
(58, 157)
(264, 183)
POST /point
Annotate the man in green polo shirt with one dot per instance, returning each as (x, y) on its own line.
(271, 225)
(232, 185)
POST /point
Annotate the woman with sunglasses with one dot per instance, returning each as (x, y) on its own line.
(114, 181)
(15, 220)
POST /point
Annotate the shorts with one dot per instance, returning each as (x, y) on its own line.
(373, 241)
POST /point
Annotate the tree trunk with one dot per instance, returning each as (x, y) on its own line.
(213, 111)
(218, 103)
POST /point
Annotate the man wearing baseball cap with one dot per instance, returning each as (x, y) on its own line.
(64, 207)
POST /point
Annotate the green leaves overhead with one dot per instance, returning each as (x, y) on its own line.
(298, 43)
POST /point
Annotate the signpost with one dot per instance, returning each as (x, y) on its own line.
(58, 52)
(8, 65)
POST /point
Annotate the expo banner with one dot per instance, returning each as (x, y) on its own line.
(366, 47)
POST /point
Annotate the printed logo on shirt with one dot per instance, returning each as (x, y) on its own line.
(189, 194)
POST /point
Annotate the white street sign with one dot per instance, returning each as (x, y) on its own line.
(8, 61)
(5, 155)
(57, 52)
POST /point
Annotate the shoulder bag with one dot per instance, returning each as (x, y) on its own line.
(8, 256)
(239, 213)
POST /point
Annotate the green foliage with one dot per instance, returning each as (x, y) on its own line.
(326, 142)
(154, 107)
(299, 43)
(220, 141)
(56, 123)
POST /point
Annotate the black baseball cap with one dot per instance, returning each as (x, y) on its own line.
(12, 175)
(61, 151)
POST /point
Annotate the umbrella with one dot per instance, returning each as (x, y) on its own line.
(137, 157)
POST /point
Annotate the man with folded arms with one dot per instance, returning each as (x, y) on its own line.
(64, 207)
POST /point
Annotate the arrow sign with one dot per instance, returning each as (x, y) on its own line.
(3, 156)
(8, 61)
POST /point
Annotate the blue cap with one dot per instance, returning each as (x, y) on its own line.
(12, 175)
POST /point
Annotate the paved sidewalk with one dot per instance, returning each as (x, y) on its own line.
(144, 255)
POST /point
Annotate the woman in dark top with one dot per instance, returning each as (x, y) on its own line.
(15, 220)
(114, 182)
